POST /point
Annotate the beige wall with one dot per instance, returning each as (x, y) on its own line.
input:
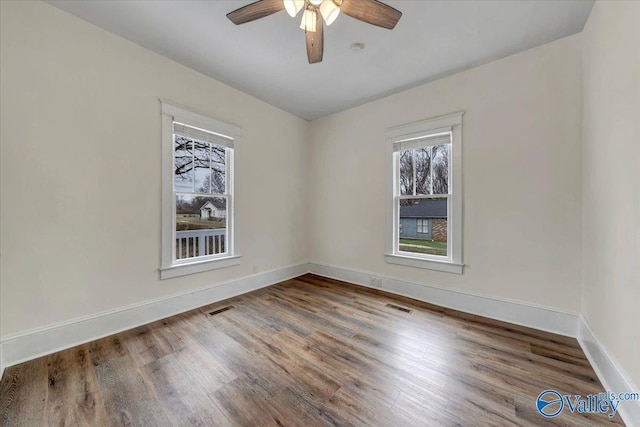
(611, 180)
(521, 145)
(80, 170)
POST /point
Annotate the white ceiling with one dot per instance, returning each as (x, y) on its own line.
(267, 58)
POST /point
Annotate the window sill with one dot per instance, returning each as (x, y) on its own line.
(430, 264)
(198, 267)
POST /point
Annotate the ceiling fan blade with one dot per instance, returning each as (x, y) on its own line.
(315, 42)
(372, 12)
(254, 11)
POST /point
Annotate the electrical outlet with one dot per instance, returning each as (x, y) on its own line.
(255, 268)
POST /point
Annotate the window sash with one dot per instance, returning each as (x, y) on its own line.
(442, 136)
(193, 183)
(396, 230)
(227, 241)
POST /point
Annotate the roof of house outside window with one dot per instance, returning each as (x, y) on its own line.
(425, 208)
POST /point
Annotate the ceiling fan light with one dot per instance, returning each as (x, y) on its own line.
(309, 20)
(329, 12)
(293, 6)
(315, 2)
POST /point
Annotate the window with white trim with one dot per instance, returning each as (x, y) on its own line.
(425, 186)
(198, 227)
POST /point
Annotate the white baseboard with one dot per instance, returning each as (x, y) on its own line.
(521, 313)
(29, 345)
(611, 375)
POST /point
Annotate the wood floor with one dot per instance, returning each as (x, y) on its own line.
(306, 352)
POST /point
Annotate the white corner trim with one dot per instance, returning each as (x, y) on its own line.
(535, 316)
(610, 373)
(29, 345)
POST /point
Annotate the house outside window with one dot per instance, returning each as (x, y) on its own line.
(424, 186)
(198, 227)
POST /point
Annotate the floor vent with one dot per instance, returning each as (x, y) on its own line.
(221, 310)
(397, 307)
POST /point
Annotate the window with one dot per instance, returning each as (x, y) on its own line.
(198, 226)
(422, 226)
(424, 208)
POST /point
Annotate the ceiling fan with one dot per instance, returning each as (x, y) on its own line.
(315, 12)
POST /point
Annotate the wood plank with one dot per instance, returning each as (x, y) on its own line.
(126, 395)
(23, 394)
(73, 396)
(185, 401)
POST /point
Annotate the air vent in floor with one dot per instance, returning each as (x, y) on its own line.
(221, 310)
(397, 307)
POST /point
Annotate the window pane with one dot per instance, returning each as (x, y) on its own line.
(422, 158)
(406, 172)
(440, 167)
(201, 223)
(183, 164)
(422, 227)
(202, 166)
(218, 169)
(432, 169)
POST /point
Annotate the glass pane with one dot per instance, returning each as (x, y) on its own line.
(406, 172)
(201, 223)
(440, 168)
(422, 227)
(183, 164)
(432, 169)
(422, 158)
(202, 166)
(218, 169)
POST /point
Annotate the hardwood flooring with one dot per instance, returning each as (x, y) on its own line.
(306, 352)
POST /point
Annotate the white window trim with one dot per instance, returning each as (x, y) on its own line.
(169, 267)
(452, 263)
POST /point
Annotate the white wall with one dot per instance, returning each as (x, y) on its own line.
(611, 180)
(521, 145)
(80, 170)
